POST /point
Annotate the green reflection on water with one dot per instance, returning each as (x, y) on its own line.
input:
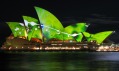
(58, 61)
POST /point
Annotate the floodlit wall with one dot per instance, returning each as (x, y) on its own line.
(17, 29)
(33, 27)
(51, 26)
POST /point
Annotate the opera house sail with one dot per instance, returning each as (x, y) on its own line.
(48, 31)
(17, 29)
(98, 37)
(32, 27)
(75, 31)
(51, 26)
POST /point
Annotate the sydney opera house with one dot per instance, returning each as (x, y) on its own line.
(48, 33)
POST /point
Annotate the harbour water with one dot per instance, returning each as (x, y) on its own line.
(59, 61)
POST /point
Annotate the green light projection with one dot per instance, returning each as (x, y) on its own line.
(32, 27)
(75, 29)
(99, 37)
(79, 37)
(51, 25)
(52, 28)
(86, 34)
(17, 29)
(67, 37)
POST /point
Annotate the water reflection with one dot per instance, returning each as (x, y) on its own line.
(60, 61)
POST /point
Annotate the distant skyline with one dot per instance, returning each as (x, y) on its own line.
(100, 15)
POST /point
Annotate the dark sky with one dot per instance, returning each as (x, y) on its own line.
(102, 15)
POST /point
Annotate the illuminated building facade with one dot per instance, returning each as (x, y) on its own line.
(48, 29)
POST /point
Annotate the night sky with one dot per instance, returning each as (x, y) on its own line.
(101, 15)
